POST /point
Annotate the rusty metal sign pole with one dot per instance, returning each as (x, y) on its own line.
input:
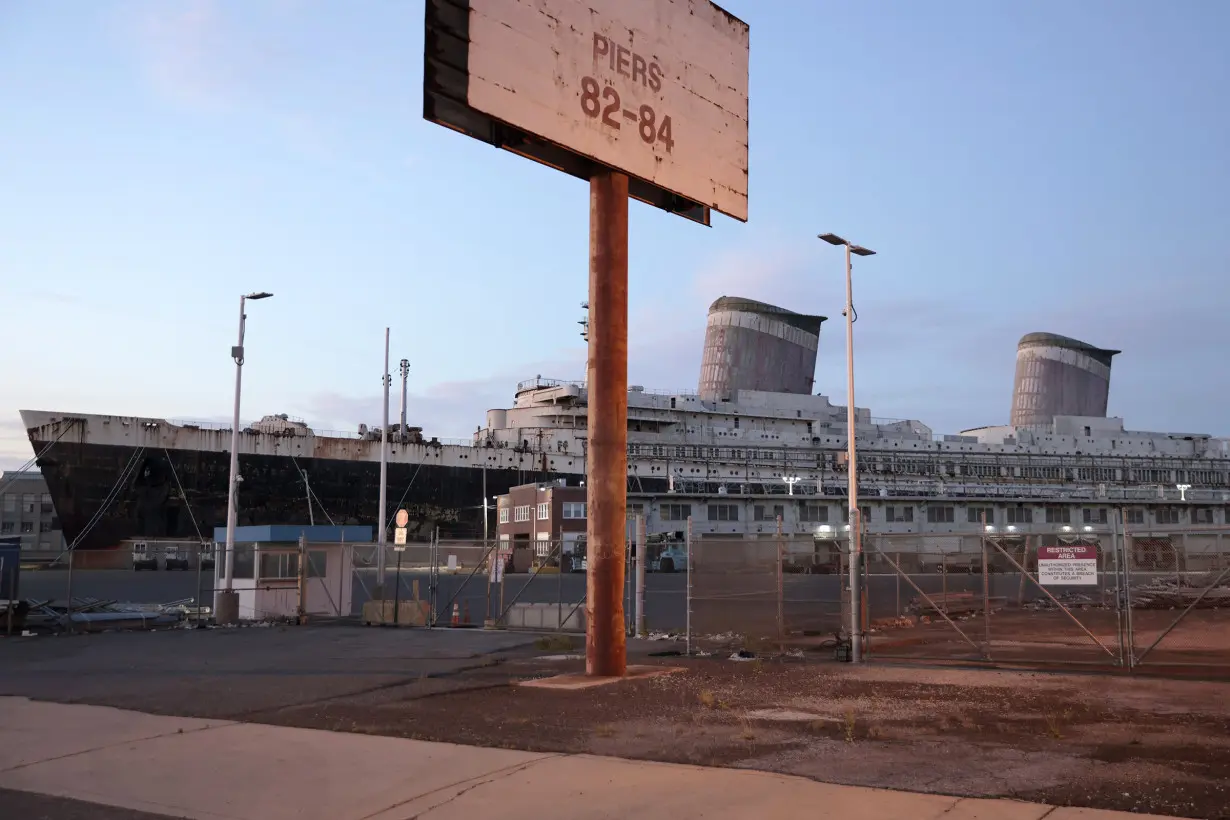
(606, 523)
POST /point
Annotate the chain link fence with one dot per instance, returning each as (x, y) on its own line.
(1124, 600)
(1178, 597)
(765, 589)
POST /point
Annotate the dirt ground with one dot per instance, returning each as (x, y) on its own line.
(1198, 643)
(1097, 740)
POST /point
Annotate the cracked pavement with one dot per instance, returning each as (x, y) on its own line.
(134, 766)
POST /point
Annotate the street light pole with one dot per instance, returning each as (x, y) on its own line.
(856, 524)
(226, 603)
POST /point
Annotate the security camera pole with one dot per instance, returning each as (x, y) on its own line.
(856, 523)
(226, 600)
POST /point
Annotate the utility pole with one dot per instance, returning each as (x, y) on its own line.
(386, 380)
(606, 525)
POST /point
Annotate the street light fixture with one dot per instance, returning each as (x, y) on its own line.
(226, 606)
(791, 480)
(856, 538)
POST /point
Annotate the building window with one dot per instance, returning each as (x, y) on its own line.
(45, 526)
(1020, 515)
(1058, 514)
(762, 513)
(1136, 516)
(974, 515)
(1202, 515)
(521, 513)
(6, 526)
(27, 526)
(898, 514)
(544, 510)
(27, 502)
(634, 509)
(1094, 516)
(865, 512)
(723, 512)
(285, 565)
(675, 512)
(814, 513)
(941, 515)
(503, 515)
(1167, 515)
(10, 503)
(574, 509)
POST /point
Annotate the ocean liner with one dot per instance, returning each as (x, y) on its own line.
(751, 444)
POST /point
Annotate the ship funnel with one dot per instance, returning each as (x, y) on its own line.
(1058, 376)
(750, 345)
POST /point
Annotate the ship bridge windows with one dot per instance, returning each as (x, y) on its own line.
(1136, 516)
(864, 513)
(813, 513)
(674, 512)
(1058, 514)
(899, 514)
(980, 515)
(723, 512)
(1168, 515)
(1202, 515)
(1098, 516)
(940, 514)
(1020, 514)
(761, 512)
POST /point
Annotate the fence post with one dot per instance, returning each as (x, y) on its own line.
(641, 551)
(781, 615)
(897, 575)
(1129, 622)
(69, 609)
(1020, 593)
(691, 567)
(986, 583)
(944, 576)
(302, 579)
(200, 559)
(8, 596)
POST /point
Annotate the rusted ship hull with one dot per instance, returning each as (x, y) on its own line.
(142, 497)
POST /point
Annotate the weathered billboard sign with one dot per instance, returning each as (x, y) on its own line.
(656, 89)
(1068, 565)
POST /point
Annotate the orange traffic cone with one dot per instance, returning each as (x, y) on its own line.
(456, 614)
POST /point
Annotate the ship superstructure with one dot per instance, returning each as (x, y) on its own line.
(722, 454)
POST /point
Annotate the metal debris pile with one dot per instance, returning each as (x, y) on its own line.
(1180, 593)
(95, 615)
(1066, 599)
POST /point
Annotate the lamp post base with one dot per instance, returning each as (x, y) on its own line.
(226, 607)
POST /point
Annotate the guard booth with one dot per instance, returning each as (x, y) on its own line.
(283, 572)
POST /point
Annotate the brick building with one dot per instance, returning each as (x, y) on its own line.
(538, 516)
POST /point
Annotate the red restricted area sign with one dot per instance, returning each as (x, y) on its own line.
(1068, 565)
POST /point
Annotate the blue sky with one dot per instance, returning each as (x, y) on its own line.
(1049, 165)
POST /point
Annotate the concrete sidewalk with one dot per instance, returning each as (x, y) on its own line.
(211, 769)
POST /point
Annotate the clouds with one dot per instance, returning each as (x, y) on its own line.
(183, 48)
